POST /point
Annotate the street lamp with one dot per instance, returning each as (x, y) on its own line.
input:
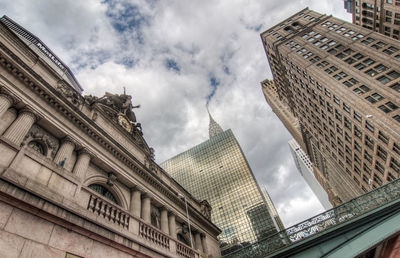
(187, 215)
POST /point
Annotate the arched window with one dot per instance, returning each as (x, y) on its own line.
(37, 146)
(104, 192)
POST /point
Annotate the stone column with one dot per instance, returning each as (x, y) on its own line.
(20, 127)
(164, 220)
(197, 241)
(172, 225)
(82, 163)
(204, 243)
(65, 150)
(146, 208)
(136, 202)
(5, 103)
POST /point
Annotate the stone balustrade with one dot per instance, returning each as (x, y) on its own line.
(150, 233)
(184, 250)
(108, 211)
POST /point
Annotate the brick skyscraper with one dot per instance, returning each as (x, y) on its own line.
(341, 81)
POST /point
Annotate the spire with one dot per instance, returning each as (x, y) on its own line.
(214, 128)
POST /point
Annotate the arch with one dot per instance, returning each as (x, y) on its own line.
(102, 190)
(115, 190)
(38, 146)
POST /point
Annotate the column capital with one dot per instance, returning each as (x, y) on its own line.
(147, 195)
(12, 98)
(137, 188)
(165, 208)
(30, 112)
(86, 151)
(171, 213)
(70, 140)
(202, 234)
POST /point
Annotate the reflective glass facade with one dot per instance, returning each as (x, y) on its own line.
(217, 170)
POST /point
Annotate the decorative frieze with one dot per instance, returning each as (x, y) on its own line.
(69, 93)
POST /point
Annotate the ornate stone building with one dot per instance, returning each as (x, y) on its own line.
(77, 178)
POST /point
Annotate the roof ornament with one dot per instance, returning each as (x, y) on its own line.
(214, 128)
(117, 105)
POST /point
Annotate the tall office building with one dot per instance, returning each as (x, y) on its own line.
(304, 166)
(382, 16)
(341, 81)
(218, 171)
(281, 109)
(291, 123)
(272, 210)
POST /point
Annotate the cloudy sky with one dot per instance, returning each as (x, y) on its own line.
(174, 58)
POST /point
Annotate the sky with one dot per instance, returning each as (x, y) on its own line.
(176, 58)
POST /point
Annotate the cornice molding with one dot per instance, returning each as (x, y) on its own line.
(13, 99)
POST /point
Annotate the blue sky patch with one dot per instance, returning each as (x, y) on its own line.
(172, 65)
(214, 83)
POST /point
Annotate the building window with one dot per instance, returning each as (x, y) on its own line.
(374, 98)
(361, 90)
(37, 147)
(395, 165)
(357, 132)
(388, 107)
(369, 126)
(384, 138)
(379, 167)
(395, 86)
(382, 153)
(368, 40)
(357, 116)
(379, 45)
(369, 142)
(103, 191)
(390, 50)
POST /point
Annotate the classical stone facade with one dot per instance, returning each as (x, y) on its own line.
(77, 178)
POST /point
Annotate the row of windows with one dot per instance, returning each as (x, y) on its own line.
(368, 140)
(374, 97)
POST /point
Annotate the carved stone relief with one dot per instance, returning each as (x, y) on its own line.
(69, 93)
(51, 143)
(205, 209)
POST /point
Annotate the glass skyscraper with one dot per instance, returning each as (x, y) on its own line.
(217, 170)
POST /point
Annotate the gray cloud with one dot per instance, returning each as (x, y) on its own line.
(111, 45)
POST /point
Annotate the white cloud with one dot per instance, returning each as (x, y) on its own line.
(205, 39)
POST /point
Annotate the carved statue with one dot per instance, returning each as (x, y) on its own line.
(120, 103)
(205, 209)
